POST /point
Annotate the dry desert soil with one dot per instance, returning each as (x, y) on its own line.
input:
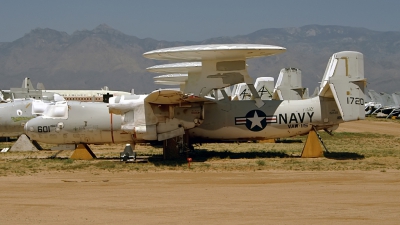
(182, 196)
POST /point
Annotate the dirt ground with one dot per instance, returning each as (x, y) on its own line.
(185, 197)
(380, 127)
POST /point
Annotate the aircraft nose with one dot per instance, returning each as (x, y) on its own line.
(26, 127)
(29, 128)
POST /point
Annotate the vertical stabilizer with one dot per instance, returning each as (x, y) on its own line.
(289, 85)
(375, 97)
(388, 99)
(241, 92)
(344, 81)
(27, 84)
(2, 97)
(40, 86)
(264, 87)
(396, 98)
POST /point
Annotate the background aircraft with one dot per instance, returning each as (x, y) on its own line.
(289, 85)
(25, 103)
(13, 116)
(28, 91)
(381, 103)
(77, 122)
(89, 95)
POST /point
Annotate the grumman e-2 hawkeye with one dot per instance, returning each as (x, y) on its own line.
(189, 116)
(14, 114)
(18, 105)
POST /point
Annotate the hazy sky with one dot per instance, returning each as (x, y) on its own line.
(194, 20)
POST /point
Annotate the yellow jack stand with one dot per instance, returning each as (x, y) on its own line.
(83, 151)
(312, 147)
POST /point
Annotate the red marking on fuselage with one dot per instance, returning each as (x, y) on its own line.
(112, 131)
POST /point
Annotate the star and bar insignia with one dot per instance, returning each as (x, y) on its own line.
(255, 120)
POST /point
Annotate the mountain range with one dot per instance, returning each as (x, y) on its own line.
(91, 59)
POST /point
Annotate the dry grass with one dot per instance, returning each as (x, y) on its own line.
(373, 118)
(347, 151)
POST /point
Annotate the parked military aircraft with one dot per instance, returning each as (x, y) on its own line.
(340, 98)
(25, 92)
(28, 91)
(77, 122)
(396, 99)
(88, 95)
(22, 104)
(14, 115)
(383, 103)
(168, 114)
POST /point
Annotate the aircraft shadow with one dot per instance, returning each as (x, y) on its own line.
(207, 154)
(343, 155)
(202, 155)
(288, 141)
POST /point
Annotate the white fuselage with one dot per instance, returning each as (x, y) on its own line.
(86, 95)
(87, 122)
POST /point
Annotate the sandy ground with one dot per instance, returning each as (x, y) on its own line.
(381, 127)
(172, 197)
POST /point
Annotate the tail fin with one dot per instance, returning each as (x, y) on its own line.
(289, 86)
(2, 97)
(344, 81)
(241, 92)
(264, 87)
(375, 97)
(388, 99)
(396, 98)
(40, 86)
(26, 83)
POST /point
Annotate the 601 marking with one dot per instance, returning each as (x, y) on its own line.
(43, 129)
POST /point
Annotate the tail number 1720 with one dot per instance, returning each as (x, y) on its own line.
(355, 101)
